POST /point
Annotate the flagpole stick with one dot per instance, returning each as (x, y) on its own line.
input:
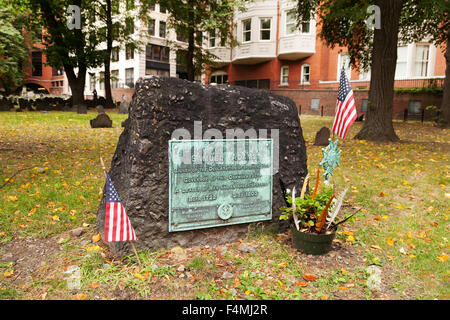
(131, 242)
(135, 253)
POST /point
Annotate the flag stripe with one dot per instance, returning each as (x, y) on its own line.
(117, 224)
(345, 113)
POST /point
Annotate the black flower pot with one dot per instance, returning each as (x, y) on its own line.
(311, 243)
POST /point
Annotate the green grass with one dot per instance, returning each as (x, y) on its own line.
(402, 188)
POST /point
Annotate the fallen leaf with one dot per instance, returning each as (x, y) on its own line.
(301, 284)
(343, 288)
(375, 247)
(443, 257)
(93, 249)
(80, 296)
(309, 277)
(390, 241)
(55, 218)
(96, 238)
(8, 274)
(94, 285)
(350, 238)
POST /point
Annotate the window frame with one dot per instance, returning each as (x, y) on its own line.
(261, 29)
(282, 82)
(244, 31)
(302, 74)
(422, 62)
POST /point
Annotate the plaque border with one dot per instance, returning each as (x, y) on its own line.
(256, 218)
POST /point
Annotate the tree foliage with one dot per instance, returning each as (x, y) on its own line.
(193, 20)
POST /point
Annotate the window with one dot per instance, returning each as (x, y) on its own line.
(364, 105)
(284, 75)
(414, 107)
(421, 61)
(315, 104)
(291, 22)
(212, 38)
(305, 27)
(92, 81)
(114, 79)
(246, 30)
(157, 53)
(101, 81)
(402, 56)
(264, 29)
(219, 78)
(151, 27)
(36, 61)
(305, 74)
(344, 60)
(115, 54)
(162, 29)
(260, 83)
(162, 9)
(129, 26)
(129, 52)
(129, 77)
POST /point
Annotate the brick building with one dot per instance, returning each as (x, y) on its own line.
(274, 54)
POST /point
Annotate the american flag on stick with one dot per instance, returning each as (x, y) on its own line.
(345, 107)
(117, 225)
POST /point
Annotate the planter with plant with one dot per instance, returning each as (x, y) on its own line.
(313, 215)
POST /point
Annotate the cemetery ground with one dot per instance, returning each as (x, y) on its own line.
(47, 223)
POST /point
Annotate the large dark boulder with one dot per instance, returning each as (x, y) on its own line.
(140, 166)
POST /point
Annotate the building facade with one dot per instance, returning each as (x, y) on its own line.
(274, 54)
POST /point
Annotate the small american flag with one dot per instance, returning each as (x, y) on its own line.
(117, 224)
(345, 108)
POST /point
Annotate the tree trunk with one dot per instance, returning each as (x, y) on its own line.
(107, 61)
(76, 83)
(444, 114)
(190, 56)
(378, 124)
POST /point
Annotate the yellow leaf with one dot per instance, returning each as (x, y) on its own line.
(96, 238)
(343, 288)
(399, 207)
(443, 257)
(55, 218)
(412, 256)
(12, 198)
(405, 182)
(350, 238)
(8, 274)
(93, 249)
(390, 241)
(247, 292)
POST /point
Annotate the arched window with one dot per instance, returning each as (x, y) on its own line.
(219, 77)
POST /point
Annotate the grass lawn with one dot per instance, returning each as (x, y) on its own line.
(402, 189)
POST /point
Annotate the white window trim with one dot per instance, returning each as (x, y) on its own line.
(414, 61)
(260, 29)
(282, 83)
(286, 24)
(302, 74)
(243, 30)
(215, 40)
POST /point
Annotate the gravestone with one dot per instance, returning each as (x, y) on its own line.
(123, 107)
(322, 137)
(100, 109)
(102, 120)
(80, 108)
(140, 166)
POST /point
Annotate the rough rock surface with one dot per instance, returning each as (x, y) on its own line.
(140, 166)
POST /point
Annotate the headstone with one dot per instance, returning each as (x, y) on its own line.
(100, 109)
(5, 104)
(123, 107)
(102, 120)
(322, 137)
(140, 166)
(81, 108)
